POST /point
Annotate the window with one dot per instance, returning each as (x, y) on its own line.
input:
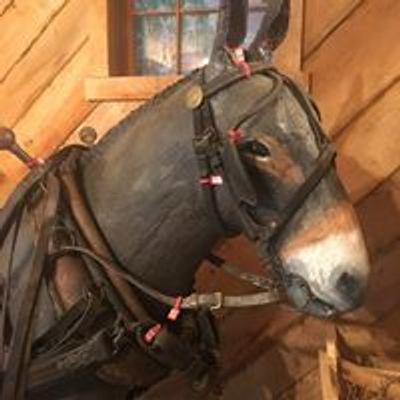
(176, 36)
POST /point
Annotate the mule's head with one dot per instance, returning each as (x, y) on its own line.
(321, 252)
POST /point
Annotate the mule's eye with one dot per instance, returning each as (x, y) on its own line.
(255, 148)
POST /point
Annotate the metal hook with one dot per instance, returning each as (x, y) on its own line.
(9, 143)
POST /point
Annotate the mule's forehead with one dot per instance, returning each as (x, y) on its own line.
(293, 122)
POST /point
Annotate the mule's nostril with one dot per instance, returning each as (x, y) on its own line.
(351, 288)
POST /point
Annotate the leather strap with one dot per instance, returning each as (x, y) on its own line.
(15, 374)
(6, 287)
(195, 301)
(320, 168)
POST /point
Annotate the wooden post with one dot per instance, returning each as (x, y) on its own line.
(328, 366)
(100, 65)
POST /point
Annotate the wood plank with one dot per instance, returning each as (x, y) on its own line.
(56, 47)
(99, 37)
(127, 88)
(307, 387)
(105, 116)
(22, 24)
(369, 150)
(5, 6)
(120, 34)
(280, 362)
(328, 377)
(289, 54)
(375, 213)
(357, 62)
(373, 379)
(322, 18)
(51, 119)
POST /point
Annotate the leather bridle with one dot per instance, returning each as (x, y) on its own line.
(218, 157)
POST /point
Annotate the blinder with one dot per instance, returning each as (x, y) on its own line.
(237, 179)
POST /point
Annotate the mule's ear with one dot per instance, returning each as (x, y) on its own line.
(232, 27)
(273, 29)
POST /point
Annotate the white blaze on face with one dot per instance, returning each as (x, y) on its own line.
(330, 255)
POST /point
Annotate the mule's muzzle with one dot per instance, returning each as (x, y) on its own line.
(351, 290)
(303, 299)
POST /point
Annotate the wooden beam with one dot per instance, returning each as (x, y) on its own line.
(356, 63)
(376, 210)
(321, 19)
(289, 53)
(373, 379)
(328, 377)
(369, 149)
(127, 88)
(104, 117)
(22, 24)
(50, 120)
(99, 37)
(58, 44)
(329, 361)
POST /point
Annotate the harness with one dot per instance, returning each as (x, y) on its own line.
(219, 162)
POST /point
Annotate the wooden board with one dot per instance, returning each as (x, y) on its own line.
(369, 151)
(57, 46)
(22, 24)
(127, 88)
(379, 215)
(322, 18)
(105, 116)
(307, 387)
(328, 377)
(99, 37)
(357, 62)
(289, 54)
(51, 119)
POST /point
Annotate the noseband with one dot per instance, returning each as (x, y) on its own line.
(219, 161)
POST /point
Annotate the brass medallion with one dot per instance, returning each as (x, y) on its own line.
(194, 97)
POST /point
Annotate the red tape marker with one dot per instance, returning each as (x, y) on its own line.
(239, 60)
(235, 135)
(212, 180)
(152, 333)
(34, 162)
(175, 310)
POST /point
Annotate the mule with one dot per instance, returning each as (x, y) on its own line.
(161, 209)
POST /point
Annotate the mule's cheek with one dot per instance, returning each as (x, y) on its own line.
(336, 268)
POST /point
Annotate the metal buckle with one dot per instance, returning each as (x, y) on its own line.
(219, 297)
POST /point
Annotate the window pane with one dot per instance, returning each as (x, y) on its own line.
(188, 4)
(253, 24)
(156, 45)
(198, 38)
(161, 5)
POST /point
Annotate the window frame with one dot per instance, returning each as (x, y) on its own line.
(179, 12)
(109, 75)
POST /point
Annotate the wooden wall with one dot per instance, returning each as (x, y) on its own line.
(54, 80)
(44, 57)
